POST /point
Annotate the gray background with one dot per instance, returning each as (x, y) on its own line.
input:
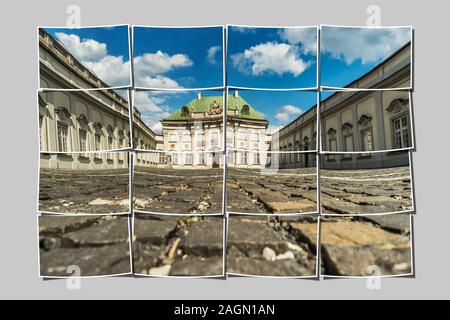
(18, 243)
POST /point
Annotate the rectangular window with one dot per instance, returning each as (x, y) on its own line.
(243, 157)
(110, 147)
(256, 158)
(214, 140)
(188, 161)
(348, 145)
(83, 140)
(401, 132)
(98, 146)
(175, 159)
(62, 137)
(333, 147)
(366, 139)
(201, 159)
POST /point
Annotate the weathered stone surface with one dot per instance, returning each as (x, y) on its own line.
(92, 261)
(283, 268)
(195, 266)
(177, 245)
(399, 223)
(155, 231)
(285, 191)
(97, 245)
(366, 191)
(249, 236)
(350, 247)
(178, 191)
(106, 232)
(205, 238)
(84, 191)
(57, 225)
(268, 247)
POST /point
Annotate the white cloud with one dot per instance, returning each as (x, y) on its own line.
(211, 55)
(306, 38)
(113, 70)
(285, 112)
(150, 67)
(367, 45)
(270, 57)
(86, 49)
(147, 102)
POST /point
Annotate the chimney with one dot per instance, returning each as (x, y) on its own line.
(236, 93)
(199, 96)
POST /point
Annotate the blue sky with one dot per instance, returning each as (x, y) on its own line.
(104, 50)
(277, 58)
(349, 53)
(278, 107)
(178, 58)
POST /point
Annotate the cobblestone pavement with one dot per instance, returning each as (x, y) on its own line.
(364, 246)
(178, 246)
(82, 191)
(97, 245)
(178, 191)
(366, 191)
(281, 192)
(271, 246)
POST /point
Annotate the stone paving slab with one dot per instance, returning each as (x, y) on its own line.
(366, 191)
(178, 191)
(98, 246)
(350, 247)
(267, 246)
(287, 191)
(84, 191)
(178, 245)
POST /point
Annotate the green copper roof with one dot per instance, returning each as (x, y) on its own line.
(203, 104)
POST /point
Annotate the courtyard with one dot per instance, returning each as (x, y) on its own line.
(283, 191)
(366, 191)
(178, 246)
(178, 191)
(271, 246)
(84, 191)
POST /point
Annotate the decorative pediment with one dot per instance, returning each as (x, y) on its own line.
(63, 114)
(83, 121)
(306, 139)
(121, 134)
(365, 121)
(347, 128)
(98, 127)
(331, 132)
(398, 105)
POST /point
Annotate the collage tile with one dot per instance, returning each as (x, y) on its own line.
(225, 151)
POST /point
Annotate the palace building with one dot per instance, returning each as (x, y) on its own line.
(357, 121)
(77, 126)
(193, 135)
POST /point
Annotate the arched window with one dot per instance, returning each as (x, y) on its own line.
(400, 123)
(365, 129)
(63, 123)
(98, 136)
(347, 134)
(83, 128)
(332, 143)
(245, 110)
